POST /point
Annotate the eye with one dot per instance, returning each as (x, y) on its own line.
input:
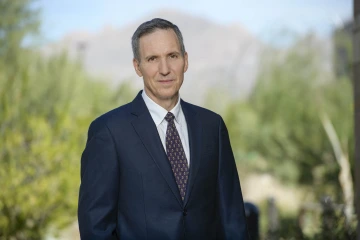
(151, 59)
(173, 56)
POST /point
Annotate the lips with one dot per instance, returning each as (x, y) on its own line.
(166, 80)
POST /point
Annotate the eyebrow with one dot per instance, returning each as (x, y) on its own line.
(170, 53)
(150, 56)
(174, 52)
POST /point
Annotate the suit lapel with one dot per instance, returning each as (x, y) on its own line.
(194, 130)
(147, 131)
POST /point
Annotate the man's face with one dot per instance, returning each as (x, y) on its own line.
(161, 65)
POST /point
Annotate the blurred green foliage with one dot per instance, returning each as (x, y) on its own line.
(46, 105)
(343, 54)
(18, 19)
(279, 129)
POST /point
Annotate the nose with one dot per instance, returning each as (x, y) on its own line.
(164, 67)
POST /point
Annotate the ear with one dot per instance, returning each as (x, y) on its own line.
(137, 67)
(186, 62)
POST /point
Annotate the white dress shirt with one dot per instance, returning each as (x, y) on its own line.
(158, 114)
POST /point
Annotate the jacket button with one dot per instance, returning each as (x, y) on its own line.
(184, 212)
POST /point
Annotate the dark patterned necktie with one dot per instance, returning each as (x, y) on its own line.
(176, 155)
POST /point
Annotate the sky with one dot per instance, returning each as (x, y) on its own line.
(263, 18)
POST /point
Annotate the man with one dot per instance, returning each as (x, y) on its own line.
(158, 167)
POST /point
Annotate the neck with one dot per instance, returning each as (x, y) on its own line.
(168, 103)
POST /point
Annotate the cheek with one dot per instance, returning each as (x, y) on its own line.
(149, 71)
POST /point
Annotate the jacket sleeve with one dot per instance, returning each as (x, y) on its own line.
(230, 205)
(97, 210)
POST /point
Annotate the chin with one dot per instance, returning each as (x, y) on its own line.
(168, 93)
(166, 96)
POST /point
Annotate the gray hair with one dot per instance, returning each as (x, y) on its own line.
(150, 27)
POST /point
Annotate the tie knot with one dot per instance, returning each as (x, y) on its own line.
(169, 117)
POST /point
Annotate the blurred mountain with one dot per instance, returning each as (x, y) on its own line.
(223, 58)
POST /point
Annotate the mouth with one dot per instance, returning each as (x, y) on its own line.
(166, 80)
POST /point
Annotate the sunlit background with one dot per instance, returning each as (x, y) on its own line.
(279, 72)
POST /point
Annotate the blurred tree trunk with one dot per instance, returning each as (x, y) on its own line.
(345, 177)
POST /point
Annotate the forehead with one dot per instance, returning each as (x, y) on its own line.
(160, 41)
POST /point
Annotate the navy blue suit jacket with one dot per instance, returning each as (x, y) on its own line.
(128, 190)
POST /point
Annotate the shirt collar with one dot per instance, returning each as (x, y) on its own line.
(157, 112)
